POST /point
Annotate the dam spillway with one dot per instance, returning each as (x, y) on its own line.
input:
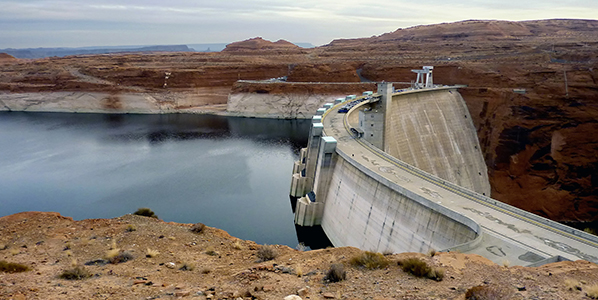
(364, 197)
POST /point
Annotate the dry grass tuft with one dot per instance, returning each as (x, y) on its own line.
(115, 256)
(8, 267)
(487, 292)
(187, 267)
(198, 228)
(205, 270)
(110, 254)
(420, 268)
(299, 271)
(432, 252)
(146, 212)
(151, 253)
(573, 284)
(76, 273)
(237, 245)
(336, 273)
(211, 252)
(3, 247)
(130, 228)
(592, 291)
(14, 251)
(67, 246)
(370, 260)
(267, 252)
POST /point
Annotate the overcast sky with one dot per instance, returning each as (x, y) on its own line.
(75, 23)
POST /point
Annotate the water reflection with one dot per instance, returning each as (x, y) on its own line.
(230, 173)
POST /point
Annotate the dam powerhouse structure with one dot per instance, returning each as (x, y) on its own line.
(402, 171)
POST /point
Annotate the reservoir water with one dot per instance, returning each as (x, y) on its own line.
(229, 173)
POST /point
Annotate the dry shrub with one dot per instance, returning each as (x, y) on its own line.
(237, 245)
(211, 252)
(114, 256)
(592, 291)
(206, 270)
(487, 292)
(187, 267)
(299, 271)
(369, 260)
(198, 228)
(8, 267)
(420, 268)
(336, 273)
(267, 252)
(151, 253)
(130, 228)
(76, 273)
(146, 212)
(572, 284)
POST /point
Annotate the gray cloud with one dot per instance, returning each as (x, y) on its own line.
(43, 23)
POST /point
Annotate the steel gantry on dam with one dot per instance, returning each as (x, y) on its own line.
(348, 182)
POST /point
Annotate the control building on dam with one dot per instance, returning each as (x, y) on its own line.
(402, 171)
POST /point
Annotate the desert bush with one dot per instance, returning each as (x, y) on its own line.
(266, 252)
(205, 270)
(187, 267)
(115, 256)
(8, 267)
(198, 228)
(336, 273)
(486, 292)
(420, 268)
(121, 258)
(75, 273)
(130, 228)
(151, 253)
(572, 284)
(237, 245)
(369, 260)
(211, 252)
(432, 252)
(592, 291)
(146, 212)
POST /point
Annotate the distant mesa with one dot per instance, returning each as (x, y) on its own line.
(259, 44)
(482, 30)
(4, 57)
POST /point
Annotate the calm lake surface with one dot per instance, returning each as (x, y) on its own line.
(230, 173)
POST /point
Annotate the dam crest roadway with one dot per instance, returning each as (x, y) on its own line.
(351, 181)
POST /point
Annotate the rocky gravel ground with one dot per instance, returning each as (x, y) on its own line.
(136, 257)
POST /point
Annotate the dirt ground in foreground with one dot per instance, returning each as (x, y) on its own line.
(214, 265)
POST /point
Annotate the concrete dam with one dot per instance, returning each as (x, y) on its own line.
(402, 171)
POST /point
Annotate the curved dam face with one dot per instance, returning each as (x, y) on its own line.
(370, 213)
(433, 131)
(366, 197)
